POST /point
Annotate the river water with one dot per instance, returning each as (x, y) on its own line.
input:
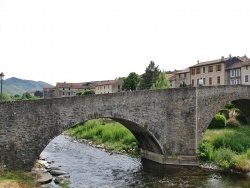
(92, 167)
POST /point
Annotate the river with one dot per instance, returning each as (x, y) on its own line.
(90, 167)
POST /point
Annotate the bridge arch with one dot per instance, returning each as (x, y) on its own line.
(210, 100)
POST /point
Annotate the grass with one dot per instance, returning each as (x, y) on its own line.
(113, 135)
(16, 179)
(228, 147)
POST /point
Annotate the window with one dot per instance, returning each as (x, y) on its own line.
(237, 72)
(204, 69)
(218, 79)
(232, 82)
(218, 67)
(198, 70)
(246, 78)
(192, 82)
(197, 81)
(246, 67)
(210, 80)
(232, 73)
(68, 93)
(204, 81)
(237, 81)
(104, 87)
(210, 69)
(63, 88)
(119, 87)
(63, 93)
(192, 71)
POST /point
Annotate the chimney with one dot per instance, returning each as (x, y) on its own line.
(198, 61)
(222, 58)
(230, 56)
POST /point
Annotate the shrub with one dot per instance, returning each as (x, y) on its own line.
(241, 162)
(248, 153)
(224, 157)
(219, 121)
(205, 151)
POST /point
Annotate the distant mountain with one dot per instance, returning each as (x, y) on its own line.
(15, 86)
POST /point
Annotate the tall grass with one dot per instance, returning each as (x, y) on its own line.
(112, 134)
(228, 147)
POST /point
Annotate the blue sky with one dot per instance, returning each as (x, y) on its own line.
(80, 40)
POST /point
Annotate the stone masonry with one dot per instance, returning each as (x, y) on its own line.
(168, 123)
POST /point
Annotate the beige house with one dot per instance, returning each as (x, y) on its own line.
(213, 72)
(64, 89)
(182, 78)
(109, 86)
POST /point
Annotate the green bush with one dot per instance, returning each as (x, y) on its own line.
(241, 162)
(248, 153)
(218, 121)
(205, 151)
(224, 157)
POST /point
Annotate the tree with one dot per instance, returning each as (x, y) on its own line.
(26, 96)
(38, 94)
(131, 82)
(88, 92)
(161, 82)
(150, 76)
(6, 97)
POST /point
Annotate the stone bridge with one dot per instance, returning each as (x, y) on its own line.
(168, 123)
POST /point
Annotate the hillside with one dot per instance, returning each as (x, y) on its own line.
(15, 86)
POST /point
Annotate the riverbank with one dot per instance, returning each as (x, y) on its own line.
(106, 134)
(227, 148)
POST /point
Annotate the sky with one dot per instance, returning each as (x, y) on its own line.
(88, 40)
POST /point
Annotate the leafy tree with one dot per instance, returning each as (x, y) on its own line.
(131, 82)
(161, 82)
(5, 97)
(38, 93)
(26, 96)
(88, 92)
(150, 76)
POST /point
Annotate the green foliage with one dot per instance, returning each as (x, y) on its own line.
(131, 82)
(229, 147)
(5, 97)
(224, 157)
(248, 153)
(236, 141)
(161, 81)
(150, 76)
(241, 162)
(89, 92)
(112, 134)
(205, 151)
(218, 121)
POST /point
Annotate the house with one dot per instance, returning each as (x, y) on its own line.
(213, 72)
(238, 73)
(49, 92)
(64, 89)
(182, 78)
(109, 86)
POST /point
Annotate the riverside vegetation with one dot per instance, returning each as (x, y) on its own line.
(114, 136)
(226, 142)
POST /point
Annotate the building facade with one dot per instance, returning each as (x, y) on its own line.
(215, 72)
(109, 86)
